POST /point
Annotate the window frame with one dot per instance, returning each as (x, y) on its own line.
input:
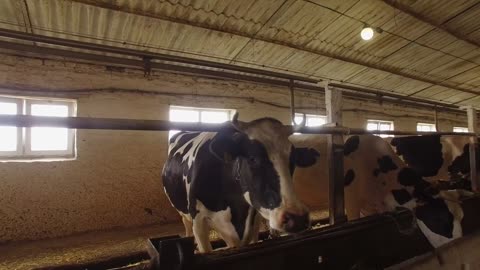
(24, 152)
(378, 123)
(427, 124)
(19, 151)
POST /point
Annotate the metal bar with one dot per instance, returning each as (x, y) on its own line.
(164, 125)
(292, 100)
(366, 90)
(359, 131)
(145, 54)
(472, 147)
(104, 123)
(333, 101)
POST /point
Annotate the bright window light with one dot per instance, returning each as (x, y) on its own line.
(9, 135)
(311, 120)
(49, 139)
(460, 129)
(380, 125)
(426, 127)
(195, 115)
(214, 116)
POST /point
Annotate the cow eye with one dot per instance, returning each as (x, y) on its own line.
(254, 160)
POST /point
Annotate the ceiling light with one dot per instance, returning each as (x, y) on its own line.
(367, 33)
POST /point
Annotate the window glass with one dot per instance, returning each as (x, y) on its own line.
(9, 136)
(49, 139)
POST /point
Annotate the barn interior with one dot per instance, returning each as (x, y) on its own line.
(87, 192)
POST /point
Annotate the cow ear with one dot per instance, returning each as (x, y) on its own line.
(305, 157)
(238, 125)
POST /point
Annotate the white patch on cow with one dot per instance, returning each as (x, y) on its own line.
(278, 148)
(197, 142)
(437, 240)
(246, 195)
(221, 222)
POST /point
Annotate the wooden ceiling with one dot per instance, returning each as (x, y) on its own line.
(427, 48)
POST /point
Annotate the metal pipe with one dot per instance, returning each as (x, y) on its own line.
(104, 123)
(165, 125)
(374, 92)
(145, 54)
(292, 100)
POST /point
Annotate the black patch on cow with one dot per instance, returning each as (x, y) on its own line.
(351, 145)
(408, 177)
(174, 186)
(437, 217)
(470, 215)
(424, 191)
(422, 153)
(302, 157)
(385, 164)
(402, 196)
(305, 157)
(461, 164)
(349, 177)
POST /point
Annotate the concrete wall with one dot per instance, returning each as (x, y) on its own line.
(115, 180)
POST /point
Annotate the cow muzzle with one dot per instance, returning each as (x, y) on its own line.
(291, 221)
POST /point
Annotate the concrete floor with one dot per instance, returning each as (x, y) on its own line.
(82, 248)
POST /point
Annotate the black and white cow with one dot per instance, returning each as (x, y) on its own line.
(221, 180)
(377, 181)
(437, 157)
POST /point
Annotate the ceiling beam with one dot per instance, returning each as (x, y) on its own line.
(213, 27)
(407, 10)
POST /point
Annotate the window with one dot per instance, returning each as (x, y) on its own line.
(311, 120)
(460, 129)
(36, 142)
(426, 127)
(380, 125)
(195, 115)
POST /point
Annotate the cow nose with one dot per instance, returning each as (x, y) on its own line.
(293, 223)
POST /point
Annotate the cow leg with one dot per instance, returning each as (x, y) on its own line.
(188, 226)
(256, 228)
(201, 231)
(223, 225)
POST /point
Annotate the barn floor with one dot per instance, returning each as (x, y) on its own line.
(82, 248)
(88, 247)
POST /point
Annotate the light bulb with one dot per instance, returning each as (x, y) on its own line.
(367, 33)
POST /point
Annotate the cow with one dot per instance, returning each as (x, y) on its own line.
(437, 157)
(369, 167)
(377, 181)
(228, 180)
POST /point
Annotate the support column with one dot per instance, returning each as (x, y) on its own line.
(333, 101)
(472, 127)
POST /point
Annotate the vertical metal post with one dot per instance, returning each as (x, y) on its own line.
(435, 118)
(333, 101)
(472, 127)
(292, 101)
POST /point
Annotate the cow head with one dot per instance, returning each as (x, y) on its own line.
(261, 165)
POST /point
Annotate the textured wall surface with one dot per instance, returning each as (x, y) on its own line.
(115, 179)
